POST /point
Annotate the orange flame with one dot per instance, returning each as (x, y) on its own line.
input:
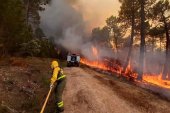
(102, 65)
(153, 79)
(157, 80)
(95, 64)
(113, 67)
(95, 51)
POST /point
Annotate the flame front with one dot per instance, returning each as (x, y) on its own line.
(157, 80)
(95, 51)
(115, 67)
(95, 64)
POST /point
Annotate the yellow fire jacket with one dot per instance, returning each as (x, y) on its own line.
(57, 75)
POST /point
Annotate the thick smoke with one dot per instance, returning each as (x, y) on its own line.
(59, 14)
(65, 23)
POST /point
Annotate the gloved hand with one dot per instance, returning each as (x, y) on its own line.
(51, 86)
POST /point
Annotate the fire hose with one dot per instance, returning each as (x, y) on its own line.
(45, 103)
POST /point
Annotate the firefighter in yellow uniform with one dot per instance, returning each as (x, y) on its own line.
(60, 79)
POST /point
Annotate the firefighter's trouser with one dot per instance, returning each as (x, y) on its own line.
(58, 93)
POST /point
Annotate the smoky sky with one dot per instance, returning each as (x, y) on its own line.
(58, 16)
(66, 24)
(61, 21)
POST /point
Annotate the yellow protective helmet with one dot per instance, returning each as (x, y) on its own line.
(54, 64)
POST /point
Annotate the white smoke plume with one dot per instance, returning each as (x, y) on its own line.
(65, 23)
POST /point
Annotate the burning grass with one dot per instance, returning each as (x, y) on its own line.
(157, 80)
(114, 66)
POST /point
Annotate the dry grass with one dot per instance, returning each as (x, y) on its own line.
(24, 83)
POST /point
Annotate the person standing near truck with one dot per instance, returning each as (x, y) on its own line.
(59, 78)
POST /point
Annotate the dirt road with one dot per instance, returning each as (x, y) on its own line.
(90, 92)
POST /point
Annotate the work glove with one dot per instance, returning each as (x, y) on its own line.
(51, 86)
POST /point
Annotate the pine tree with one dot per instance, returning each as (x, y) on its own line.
(160, 11)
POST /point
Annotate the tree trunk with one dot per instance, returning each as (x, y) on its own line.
(116, 43)
(153, 44)
(132, 37)
(4, 39)
(27, 12)
(115, 40)
(160, 43)
(166, 70)
(142, 45)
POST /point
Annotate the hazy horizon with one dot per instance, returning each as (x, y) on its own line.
(96, 12)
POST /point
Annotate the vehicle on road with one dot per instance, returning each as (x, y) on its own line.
(73, 60)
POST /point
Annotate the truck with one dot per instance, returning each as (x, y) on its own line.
(73, 60)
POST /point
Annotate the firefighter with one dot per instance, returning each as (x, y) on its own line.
(59, 78)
